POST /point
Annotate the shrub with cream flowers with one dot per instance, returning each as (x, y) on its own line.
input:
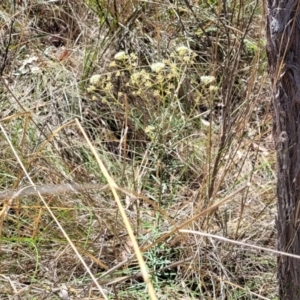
(155, 87)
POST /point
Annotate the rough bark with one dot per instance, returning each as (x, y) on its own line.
(283, 50)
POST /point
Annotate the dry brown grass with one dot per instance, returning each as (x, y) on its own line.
(173, 147)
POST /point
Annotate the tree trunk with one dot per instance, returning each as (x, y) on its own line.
(283, 50)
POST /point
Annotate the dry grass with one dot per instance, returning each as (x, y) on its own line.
(168, 103)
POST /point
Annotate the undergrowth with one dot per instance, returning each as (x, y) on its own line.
(171, 100)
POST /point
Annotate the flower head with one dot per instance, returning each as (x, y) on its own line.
(207, 79)
(182, 50)
(213, 88)
(149, 129)
(112, 64)
(135, 78)
(95, 79)
(91, 89)
(133, 56)
(157, 67)
(120, 56)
